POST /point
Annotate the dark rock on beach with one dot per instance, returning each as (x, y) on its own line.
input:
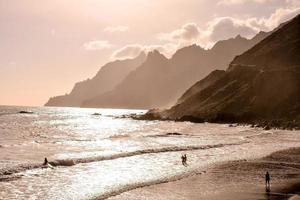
(25, 112)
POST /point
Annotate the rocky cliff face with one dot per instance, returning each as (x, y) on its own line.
(261, 84)
(201, 85)
(159, 81)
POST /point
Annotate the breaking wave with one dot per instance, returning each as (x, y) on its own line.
(5, 173)
(133, 186)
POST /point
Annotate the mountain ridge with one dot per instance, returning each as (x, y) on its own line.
(105, 80)
(260, 86)
(161, 84)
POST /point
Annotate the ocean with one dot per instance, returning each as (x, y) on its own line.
(100, 153)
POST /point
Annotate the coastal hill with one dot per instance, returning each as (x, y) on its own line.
(159, 81)
(261, 84)
(105, 80)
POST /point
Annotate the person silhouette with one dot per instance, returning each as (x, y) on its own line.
(45, 161)
(185, 159)
(182, 159)
(267, 179)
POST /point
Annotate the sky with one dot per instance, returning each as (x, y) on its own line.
(46, 46)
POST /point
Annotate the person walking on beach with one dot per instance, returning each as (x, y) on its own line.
(267, 178)
(184, 159)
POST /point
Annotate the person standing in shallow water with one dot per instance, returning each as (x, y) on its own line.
(267, 178)
(45, 161)
(184, 159)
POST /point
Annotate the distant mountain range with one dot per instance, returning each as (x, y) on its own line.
(153, 81)
(262, 84)
(105, 80)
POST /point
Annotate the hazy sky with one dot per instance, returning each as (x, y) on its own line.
(46, 46)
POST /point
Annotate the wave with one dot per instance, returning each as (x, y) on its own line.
(7, 113)
(14, 112)
(261, 134)
(172, 134)
(4, 172)
(130, 187)
(7, 172)
(70, 162)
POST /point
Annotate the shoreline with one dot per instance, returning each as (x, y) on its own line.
(266, 124)
(242, 179)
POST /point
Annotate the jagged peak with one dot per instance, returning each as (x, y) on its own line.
(188, 49)
(239, 37)
(222, 42)
(141, 55)
(260, 35)
(261, 32)
(193, 46)
(154, 55)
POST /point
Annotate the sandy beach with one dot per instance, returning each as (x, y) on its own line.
(242, 179)
(94, 161)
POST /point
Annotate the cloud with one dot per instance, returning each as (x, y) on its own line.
(217, 29)
(113, 29)
(221, 28)
(133, 50)
(226, 27)
(235, 2)
(128, 51)
(188, 32)
(97, 45)
(279, 16)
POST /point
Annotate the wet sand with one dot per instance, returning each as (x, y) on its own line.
(239, 180)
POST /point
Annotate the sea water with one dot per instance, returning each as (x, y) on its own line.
(99, 153)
